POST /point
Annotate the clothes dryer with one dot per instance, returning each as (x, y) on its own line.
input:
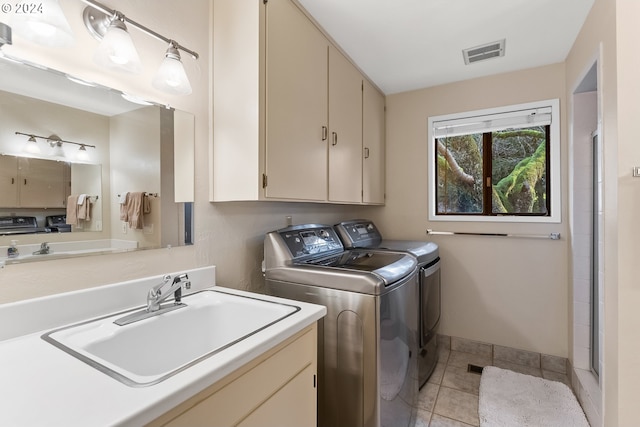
(362, 233)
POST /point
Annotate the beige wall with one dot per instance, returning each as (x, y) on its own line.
(610, 34)
(597, 41)
(628, 34)
(28, 115)
(135, 167)
(506, 291)
(228, 235)
(488, 293)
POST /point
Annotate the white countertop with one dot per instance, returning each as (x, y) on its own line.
(41, 385)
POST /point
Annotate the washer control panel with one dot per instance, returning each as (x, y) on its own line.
(311, 241)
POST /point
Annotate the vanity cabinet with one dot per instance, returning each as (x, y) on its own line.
(276, 389)
(289, 108)
(33, 183)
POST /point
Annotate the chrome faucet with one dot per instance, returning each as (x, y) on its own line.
(44, 249)
(157, 294)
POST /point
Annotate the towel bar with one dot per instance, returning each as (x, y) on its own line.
(148, 194)
(552, 236)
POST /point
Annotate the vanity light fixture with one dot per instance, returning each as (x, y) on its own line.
(32, 146)
(116, 49)
(5, 35)
(56, 144)
(43, 23)
(82, 154)
(171, 77)
(101, 20)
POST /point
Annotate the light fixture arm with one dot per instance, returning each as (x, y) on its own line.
(111, 12)
(49, 139)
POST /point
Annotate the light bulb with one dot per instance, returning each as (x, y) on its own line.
(56, 149)
(82, 154)
(32, 146)
(171, 77)
(116, 50)
(48, 27)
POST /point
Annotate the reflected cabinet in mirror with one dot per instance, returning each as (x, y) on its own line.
(86, 170)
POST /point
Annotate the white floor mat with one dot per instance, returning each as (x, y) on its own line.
(510, 399)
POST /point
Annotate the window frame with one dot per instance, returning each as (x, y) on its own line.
(553, 171)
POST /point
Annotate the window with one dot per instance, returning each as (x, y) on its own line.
(496, 165)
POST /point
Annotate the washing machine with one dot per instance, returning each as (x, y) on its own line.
(368, 341)
(362, 233)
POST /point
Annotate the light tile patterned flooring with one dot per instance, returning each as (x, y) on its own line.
(450, 397)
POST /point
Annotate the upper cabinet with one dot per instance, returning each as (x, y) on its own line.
(373, 145)
(291, 113)
(345, 129)
(296, 105)
(33, 183)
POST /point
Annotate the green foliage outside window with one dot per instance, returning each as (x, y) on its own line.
(513, 162)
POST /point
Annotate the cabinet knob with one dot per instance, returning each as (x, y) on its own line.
(335, 138)
(325, 133)
(366, 152)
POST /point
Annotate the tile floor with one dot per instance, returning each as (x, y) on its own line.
(450, 397)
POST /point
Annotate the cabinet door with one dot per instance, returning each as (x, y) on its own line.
(345, 125)
(278, 410)
(296, 105)
(8, 182)
(373, 128)
(42, 183)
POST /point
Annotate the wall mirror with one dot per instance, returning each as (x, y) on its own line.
(74, 160)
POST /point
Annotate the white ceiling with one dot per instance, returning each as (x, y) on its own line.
(409, 44)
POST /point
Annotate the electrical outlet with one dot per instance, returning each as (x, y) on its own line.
(124, 227)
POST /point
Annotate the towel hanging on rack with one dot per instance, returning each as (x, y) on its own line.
(78, 208)
(84, 208)
(135, 206)
(72, 210)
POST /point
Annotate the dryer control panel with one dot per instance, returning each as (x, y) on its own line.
(359, 233)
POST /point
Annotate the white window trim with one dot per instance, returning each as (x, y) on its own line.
(554, 149)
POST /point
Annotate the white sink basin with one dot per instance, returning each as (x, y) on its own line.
(150, 350)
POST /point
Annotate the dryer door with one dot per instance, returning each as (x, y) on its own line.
(429, 300)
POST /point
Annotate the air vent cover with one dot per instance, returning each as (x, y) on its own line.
(486, 51)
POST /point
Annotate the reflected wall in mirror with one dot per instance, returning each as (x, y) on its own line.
(139, 148)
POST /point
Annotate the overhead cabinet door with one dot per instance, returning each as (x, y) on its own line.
(8, 181)
(296, 105)
(42, 183)
(373, 129)
(345, 124)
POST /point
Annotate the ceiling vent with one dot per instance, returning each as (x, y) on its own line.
(486, 51)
